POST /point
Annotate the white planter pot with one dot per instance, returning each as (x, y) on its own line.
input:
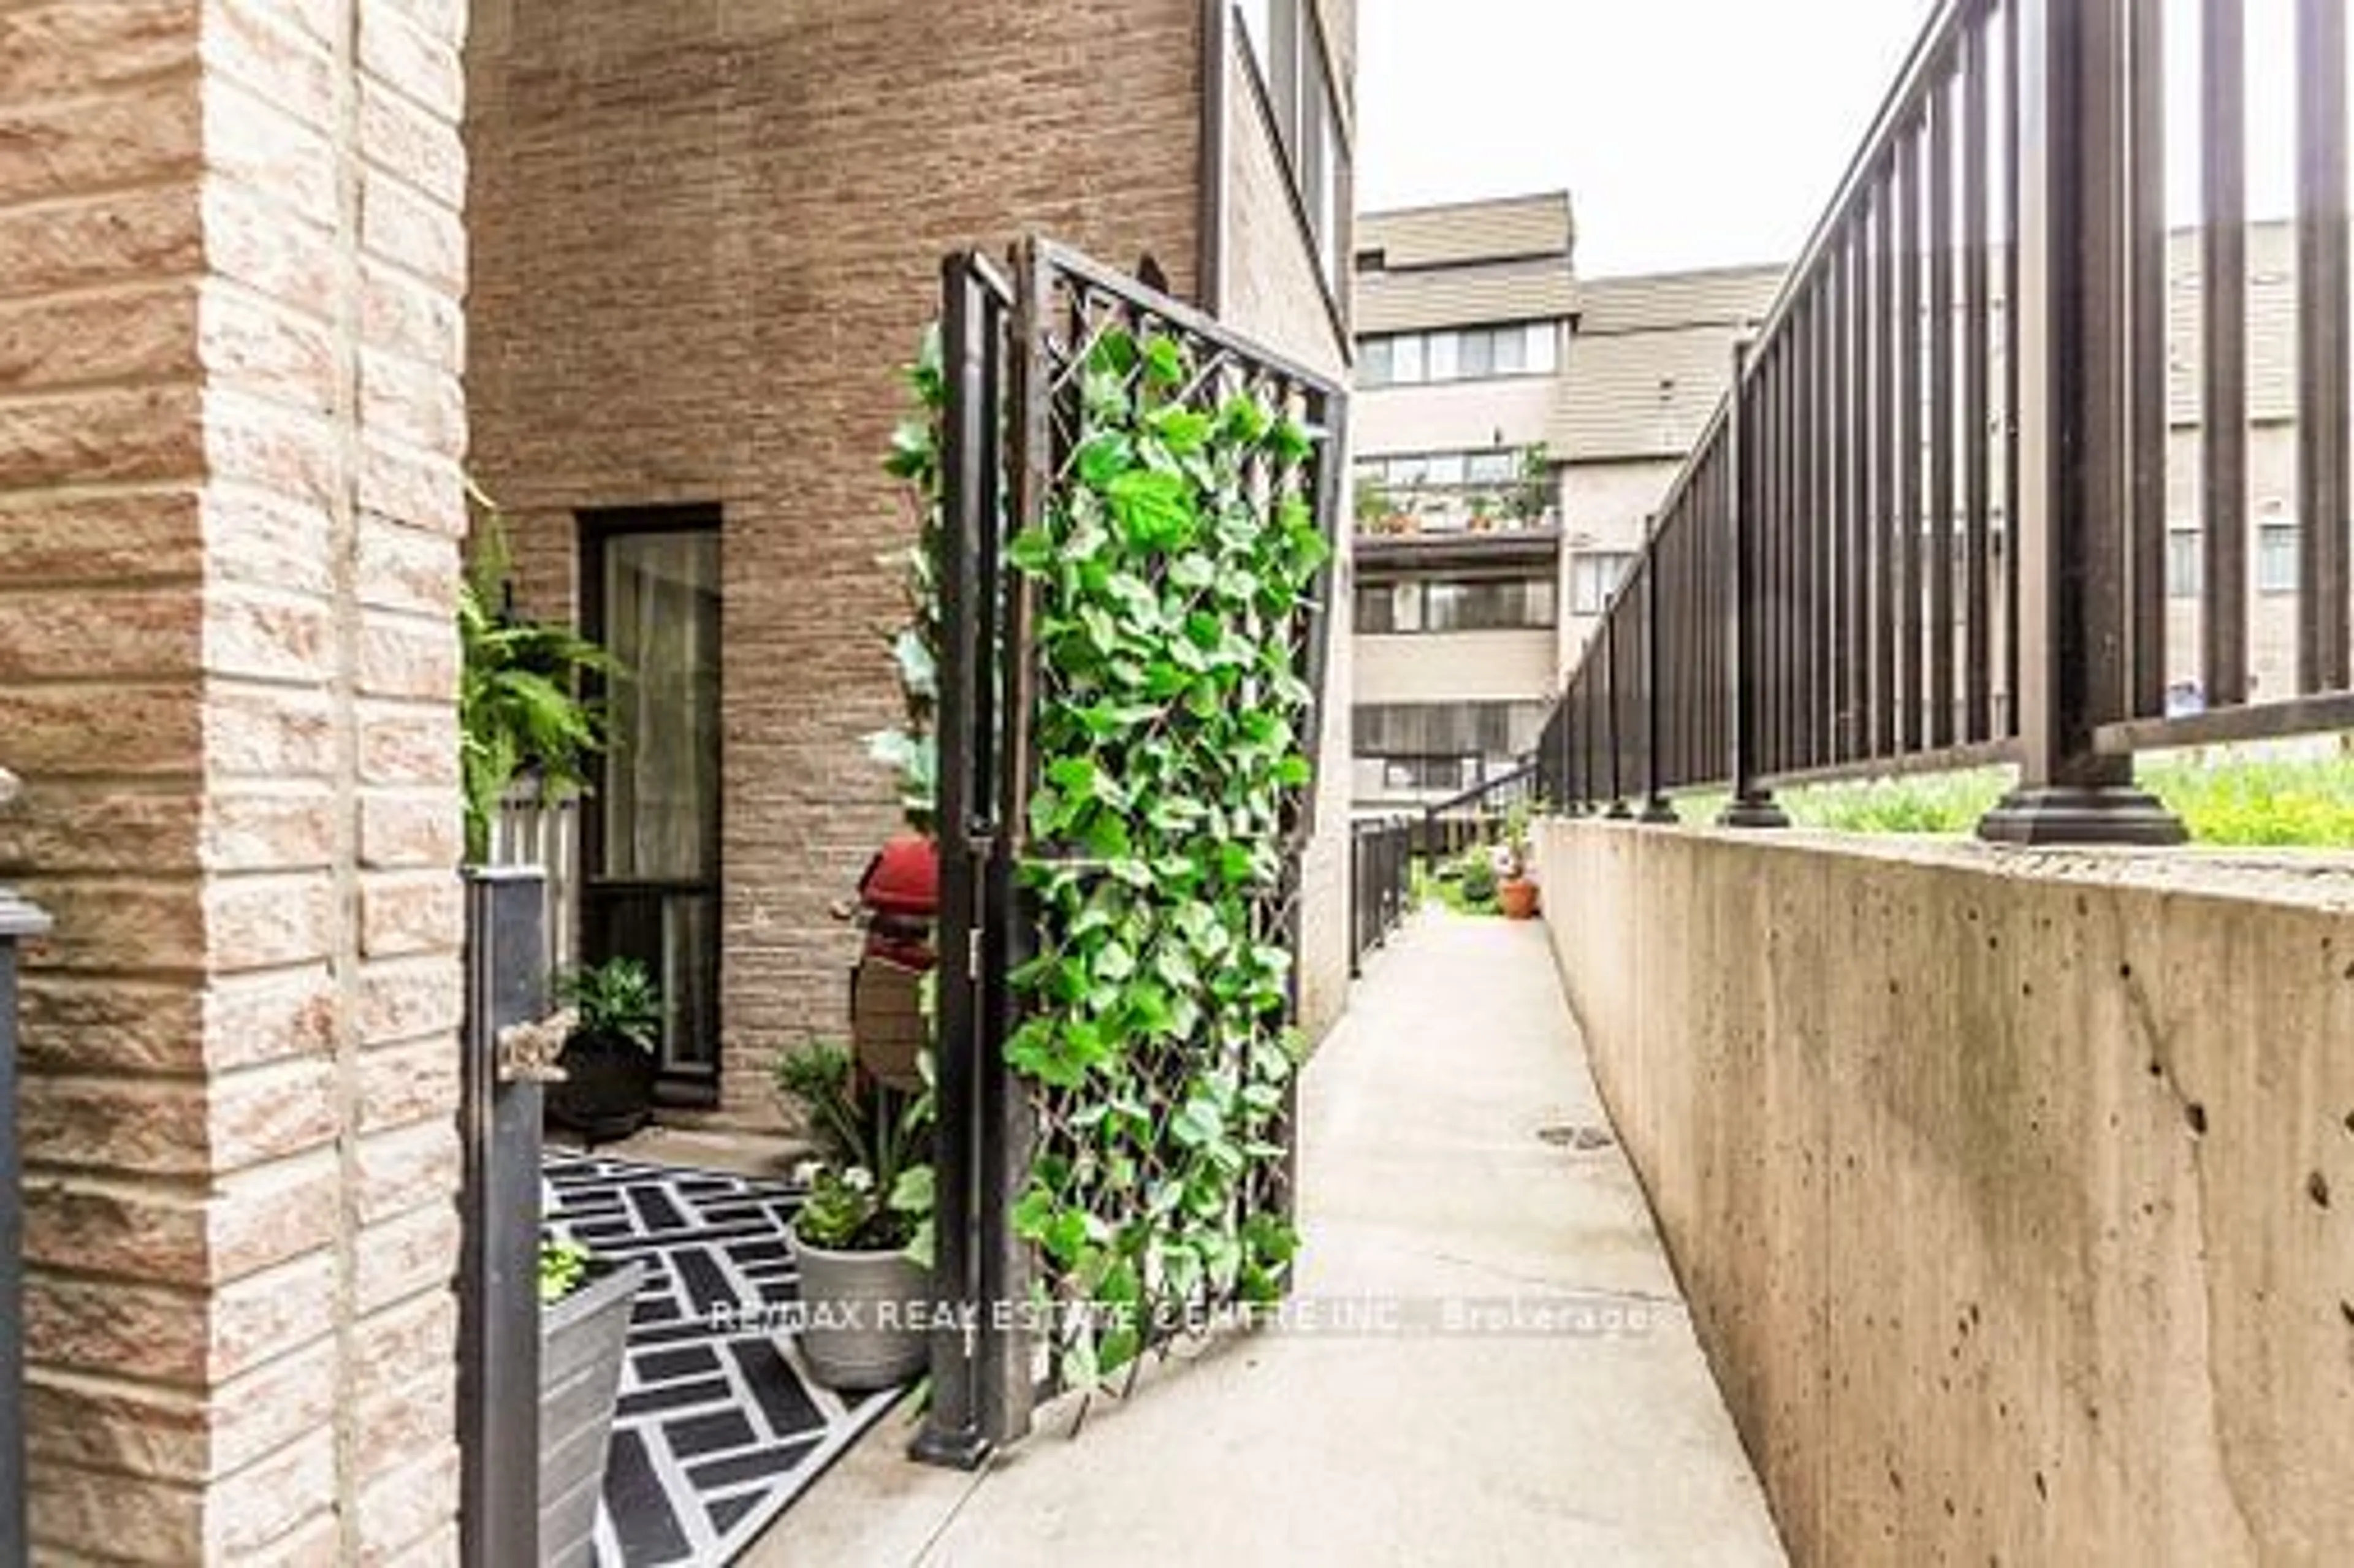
(862, 1316)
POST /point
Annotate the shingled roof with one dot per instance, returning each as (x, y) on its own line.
(1650, 358)
(1467, 264)
(1459, 233)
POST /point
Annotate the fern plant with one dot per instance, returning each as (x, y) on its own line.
(520, 707)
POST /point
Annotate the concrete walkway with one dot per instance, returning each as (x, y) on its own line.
(1427, 1188)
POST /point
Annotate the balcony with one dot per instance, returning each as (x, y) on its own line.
(1443, 526)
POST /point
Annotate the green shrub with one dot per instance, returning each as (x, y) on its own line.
(2225, 800)
(1479, 879)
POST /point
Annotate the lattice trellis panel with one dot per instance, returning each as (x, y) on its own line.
(1152, 603)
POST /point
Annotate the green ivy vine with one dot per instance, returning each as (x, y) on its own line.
(1170, 573)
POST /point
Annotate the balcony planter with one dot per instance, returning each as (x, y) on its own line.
(863, 1313)
(583, 1337)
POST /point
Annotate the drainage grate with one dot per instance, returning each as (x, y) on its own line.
(1584, 1139)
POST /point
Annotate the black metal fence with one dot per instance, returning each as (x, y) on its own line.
(1928, 527)
(1381, 883)
(18, 920)
(1449, 827)
(1017, 348)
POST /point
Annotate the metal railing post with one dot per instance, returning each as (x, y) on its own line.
(1657, 809)
(1751, 806)
(18, 920)
(498, 1298)
(2079, 305)
(952, 1432)
(1612, 706)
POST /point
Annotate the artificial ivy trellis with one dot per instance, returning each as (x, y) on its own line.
(1170, 579)
(1169, 576)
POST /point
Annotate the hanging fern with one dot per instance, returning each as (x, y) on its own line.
(519, 705)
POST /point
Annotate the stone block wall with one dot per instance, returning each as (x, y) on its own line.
(231, 254)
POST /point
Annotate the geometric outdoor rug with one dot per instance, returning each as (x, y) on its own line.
(718, 1428)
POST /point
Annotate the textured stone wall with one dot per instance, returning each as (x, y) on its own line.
(703, 241)
(2010, 1190)
(230, 252)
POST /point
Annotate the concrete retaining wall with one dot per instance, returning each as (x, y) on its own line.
(2014, 1193)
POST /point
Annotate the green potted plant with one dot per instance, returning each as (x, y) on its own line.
(607, 1088)
(521, 714)
(862, 1242)
(1476, 883)
(1516, 882)
(584, 1333)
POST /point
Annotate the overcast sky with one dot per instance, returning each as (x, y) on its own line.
(1689, 133)
(1703, 132)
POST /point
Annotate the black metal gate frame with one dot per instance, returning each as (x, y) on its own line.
(998, 464)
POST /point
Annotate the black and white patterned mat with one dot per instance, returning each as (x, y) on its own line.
(718, 1427)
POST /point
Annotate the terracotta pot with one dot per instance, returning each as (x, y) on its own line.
(1517, 899)
(863, 1328)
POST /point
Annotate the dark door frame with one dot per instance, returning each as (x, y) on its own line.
(597, 528)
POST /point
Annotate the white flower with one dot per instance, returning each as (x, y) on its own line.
(858, 1179)
(806, 1173)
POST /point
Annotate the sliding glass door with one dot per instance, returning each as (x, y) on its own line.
(651, 595)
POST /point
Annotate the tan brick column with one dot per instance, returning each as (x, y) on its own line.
(230, 256)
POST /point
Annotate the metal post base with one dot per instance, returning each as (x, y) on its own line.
(950, 1450)
(2072, 814)
(1618, 812)
(1659, 811)
(1757, 811)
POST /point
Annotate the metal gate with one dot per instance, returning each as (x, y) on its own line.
(1017, 348)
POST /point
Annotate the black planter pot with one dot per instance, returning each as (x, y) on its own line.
(608, 1090)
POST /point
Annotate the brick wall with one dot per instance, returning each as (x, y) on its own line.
(702, 242)
(229, 423)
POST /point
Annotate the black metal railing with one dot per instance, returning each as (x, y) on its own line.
(1381, 883)
(1449, 827)
(1927, 527)
(18, 920)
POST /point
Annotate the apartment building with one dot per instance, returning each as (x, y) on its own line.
(705, 239)
(1463, 329)
(1649, 360)
(1650, 357)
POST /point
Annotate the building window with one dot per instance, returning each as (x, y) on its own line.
(1443, 604)
(1498, 730)
(1287, 48)
(1474, 354)
(1594, 576)
(1430, 775)
(2276, 558)
(1384, 607)
(1256, 17)
(1500, 465)
(1506, 604)
(2182, 563)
